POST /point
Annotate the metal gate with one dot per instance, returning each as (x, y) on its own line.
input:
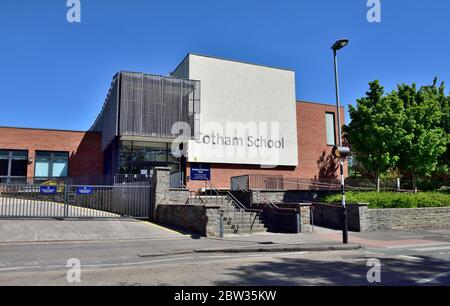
(76, 201)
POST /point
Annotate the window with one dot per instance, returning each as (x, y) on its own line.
(135, 156)
(4, 162)
(51, 164)
(13, 163)
(330, 129)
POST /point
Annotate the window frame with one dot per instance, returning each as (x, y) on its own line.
(51, 161)
(334, 129)
(10, 158)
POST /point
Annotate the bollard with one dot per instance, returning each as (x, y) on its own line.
(221, 226)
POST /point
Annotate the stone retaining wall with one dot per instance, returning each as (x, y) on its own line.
(362, 219)
(199, 219)
(331, 216)
(408, 219)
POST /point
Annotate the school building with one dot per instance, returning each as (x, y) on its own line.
(210, 119)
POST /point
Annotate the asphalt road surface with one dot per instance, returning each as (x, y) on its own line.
(119, 263)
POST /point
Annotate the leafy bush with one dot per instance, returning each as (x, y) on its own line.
(393, 199)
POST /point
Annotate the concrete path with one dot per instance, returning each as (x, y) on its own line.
(19, 231)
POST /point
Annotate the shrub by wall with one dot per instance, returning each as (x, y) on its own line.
(394, 199)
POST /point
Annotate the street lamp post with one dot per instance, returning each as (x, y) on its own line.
(337, 46)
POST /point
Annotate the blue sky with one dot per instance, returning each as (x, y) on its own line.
(56, 75)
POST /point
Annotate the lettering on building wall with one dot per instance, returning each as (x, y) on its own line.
(250, 141)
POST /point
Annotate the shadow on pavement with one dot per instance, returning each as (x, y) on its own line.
(295, 272)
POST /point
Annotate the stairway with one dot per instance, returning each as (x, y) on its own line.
(236, 220)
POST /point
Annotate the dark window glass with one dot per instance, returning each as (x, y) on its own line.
(44, 154)
(13, 163)
(19, 154)
(19, 167)
(135, 156)
(4, 167)
(4, 154)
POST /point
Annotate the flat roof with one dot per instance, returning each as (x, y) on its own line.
(230, 60)
(319, 103)
(44, 129)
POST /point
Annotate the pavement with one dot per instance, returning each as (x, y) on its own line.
(51, 230)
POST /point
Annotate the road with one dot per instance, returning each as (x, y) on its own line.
(121, 263)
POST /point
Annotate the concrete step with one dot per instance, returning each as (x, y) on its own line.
(245, 224)
(238, 215)
(244, 231)
(245, 221)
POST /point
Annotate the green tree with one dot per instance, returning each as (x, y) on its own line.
(425, 140)
(445, 106)
(375, 130)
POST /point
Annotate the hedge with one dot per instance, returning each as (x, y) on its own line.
(393, 199)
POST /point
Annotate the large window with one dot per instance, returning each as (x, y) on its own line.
(13, 164)
(51, 164)
(330, 129)
(135, 156)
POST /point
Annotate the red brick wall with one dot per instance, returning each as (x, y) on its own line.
(84, 148)
(311, 131)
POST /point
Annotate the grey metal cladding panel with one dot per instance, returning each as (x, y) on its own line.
(131, 103)
(106, 121)
(151, 105)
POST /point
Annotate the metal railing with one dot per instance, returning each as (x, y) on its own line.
(99, 180)
(257, 182)
(267, 202)
(176, 180)
(193, 196)
(233, 209)
(72, 201)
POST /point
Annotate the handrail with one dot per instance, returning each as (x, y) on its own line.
(238, 207)
(267, 202)
(196, 195)
(233, 198)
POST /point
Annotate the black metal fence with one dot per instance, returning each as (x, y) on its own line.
(129, 196)
(101, 180)
(278, 182)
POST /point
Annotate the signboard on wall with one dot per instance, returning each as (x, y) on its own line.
(200, 172)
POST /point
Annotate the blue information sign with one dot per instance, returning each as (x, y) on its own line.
(200, 172)
(86, 190)
(48, 189)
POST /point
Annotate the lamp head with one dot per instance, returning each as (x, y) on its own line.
(341, 43)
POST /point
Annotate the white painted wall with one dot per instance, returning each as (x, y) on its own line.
(243, 100)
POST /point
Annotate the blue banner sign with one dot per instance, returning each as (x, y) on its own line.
(200, 172)
(86, 190)
(49, 189)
